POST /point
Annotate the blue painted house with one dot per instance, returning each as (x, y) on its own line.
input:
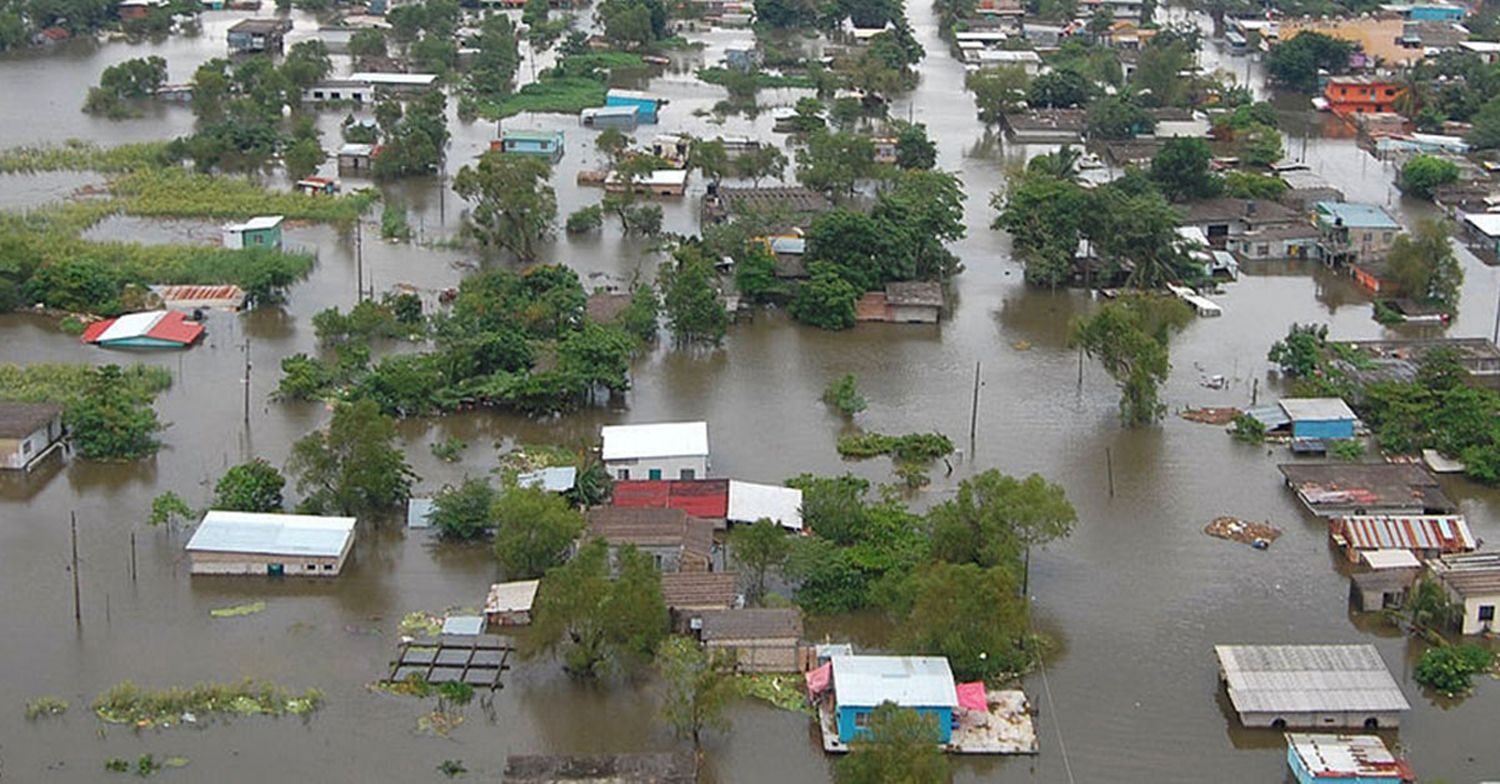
(543, 144)
(1436, 13)
(1319, 418)
(921, 683)
(646, 105)
(1344, 759)
(625, 117)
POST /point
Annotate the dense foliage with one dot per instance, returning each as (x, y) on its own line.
(353, 466)
(535, 530)
(599, 624)
(1129, 337)
(250, 487)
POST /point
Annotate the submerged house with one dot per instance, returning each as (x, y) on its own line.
(762, 639)
(1352, 231)
(903, 302)
(251, 36)
(1343, 489)
(261, 232)
(152, 329)
(1319, 419)
(646, 105)
(28, 433)
(543, 144)
(1385, 578)
(1310, 686)
(862, 683)
(678, 450)
(357, 157)
(688, 592)
(622, 117)
(659, 182)
(1473, 581)
(674, 541)
(509, 604)
(1344, 759)
(1424, 536)
(245, 543)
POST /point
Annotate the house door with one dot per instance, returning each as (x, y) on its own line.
(655, 474)
(276, 569)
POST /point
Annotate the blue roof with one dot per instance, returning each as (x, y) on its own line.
(272, 534)
(1358, 216)
(553, 480)
(419, 513)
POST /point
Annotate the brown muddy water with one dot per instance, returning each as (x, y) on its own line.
(1137, 597)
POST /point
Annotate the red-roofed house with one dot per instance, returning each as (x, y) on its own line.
(153, 329)
(707, 499)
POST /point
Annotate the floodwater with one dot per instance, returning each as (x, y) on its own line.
(1136, 597)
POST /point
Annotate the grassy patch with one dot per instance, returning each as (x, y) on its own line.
(919, 447)
(238, 610)
(55, 382)
(75, 155)
(126, 703)
(46, 706)
(785, 691)
(568, 95)
(179, 193)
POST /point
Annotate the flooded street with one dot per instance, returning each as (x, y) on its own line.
(1136, 597)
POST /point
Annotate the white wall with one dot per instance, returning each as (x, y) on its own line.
(670, 467)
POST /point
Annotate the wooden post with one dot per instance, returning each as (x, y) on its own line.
(247, 386)
(1080, 366)
(974, 412)
(77, 607)
(1109, 464)
(1254, 392)
(359, 260)
(132, 556)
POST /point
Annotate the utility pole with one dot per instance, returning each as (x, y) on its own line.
(1109, 464)
(974, 411)
(359, 260)
(247, 385)
(77, 606)
(1496, 338)
(132, 556)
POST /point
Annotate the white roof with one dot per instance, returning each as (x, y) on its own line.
(1009, 56)
(554, 480)
(656, 177)
(908, 681)
(131, 325)
(1483, 47)
(1390, 559)
(355, 148)
(401, 79)
(466, 625)
(749, 502)
(1486, 223)
(419, 513)
(662, 439)
(511, 597)
(1358, 757)
(272, 534)
(1316, 408)
(260, 222)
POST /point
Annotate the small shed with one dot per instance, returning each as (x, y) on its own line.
(863, 683)
(1323, 418)
(621, 117)
(914, 301)
(152, 329)
(354, 157)
(318, 186)
(1310, 686)
(1386, 578)
(1424, 536)
(542, 144)
(1473, 580)
(246, 543)
(260, 232)
(1344, 759)
(646, 105)
(419, 512)
(659, 182)
(555, 479)
(28, 432)
(760, 639)
(249, 36)
(509, 604)
(656, 451)
(1483, 229)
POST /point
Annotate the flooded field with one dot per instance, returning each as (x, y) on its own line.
(1137, 596)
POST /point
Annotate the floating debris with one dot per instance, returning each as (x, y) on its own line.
(126, 703)
(1257, 535)
(1211, 415)
(238, 610)
(1021, 345)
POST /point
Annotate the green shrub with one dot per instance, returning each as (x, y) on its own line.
(913, 447)
(1448, 668)
(585, 219)
(1350, 450)
(843, 394)
(1248, 429)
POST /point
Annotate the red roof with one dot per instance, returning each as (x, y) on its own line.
(702, 498)
(172, 326)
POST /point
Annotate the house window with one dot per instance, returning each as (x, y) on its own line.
(862, 720)
(688, 473)
(1486, 613)
(654, 474)
(327, 567)
(1263, 250)
(1386, 236)
(312, 567)
(623, 475)
(26, 447)
(657, 560)
(1369, 236)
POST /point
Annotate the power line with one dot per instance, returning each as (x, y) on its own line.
(1056, 725)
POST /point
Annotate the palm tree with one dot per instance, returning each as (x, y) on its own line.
(1062, 164)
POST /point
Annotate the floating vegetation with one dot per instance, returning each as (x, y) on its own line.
(46, 706)
(145, 765)
(450, 449)
(439, 722)
(127, 703)
(179, 193)
(922, 447)
(419, 623)
(782, 690)
(238, 610)
(452, 768)
(412, 686)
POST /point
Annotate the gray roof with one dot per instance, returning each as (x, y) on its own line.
(463, 625)
(1308, 679)
(921, 293)
(419, 513)
(908, 681)
(1316, 408)
(1469, 574)
(18, 420)
(272, 534)
(558, 479)
(678, 767)
(756, 623)
(1272, 417)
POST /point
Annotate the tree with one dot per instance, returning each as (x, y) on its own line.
(351, 468)
(927, 209)
(514, 206)
(599, 624)
(760, 163)
(1422, 173)
(913, 149)
(250, 487)
(168, 508)
(1242, 184)
(109, 422)
(597, 357)
(1157, 73)
(1116, 117)
(367, 43)
(1485, 133)
(612, 143)
(304, 156)
(1138, 230)
(1129, 336)
(641, 317)
(711, 159)
(1259, 145)
(835, 162)
(995, 519)
(825, 299)
(690, 297)
(998, 91)
(843, 394)
(465, 511)
(535, 530)
(1181, 170)
(1058, 89)
(759, 548)
(865, 249)
(698, 685)
(1045, 216)
(971, 615)
(1300, 353)
(901, 745)
(1424, 268)
(1296, 62)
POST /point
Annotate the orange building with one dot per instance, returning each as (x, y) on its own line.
(1360, 95)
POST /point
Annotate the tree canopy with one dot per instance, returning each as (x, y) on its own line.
(1129, 337)
(352, 467)
(250, 487)
(596, 623)
(535, 530)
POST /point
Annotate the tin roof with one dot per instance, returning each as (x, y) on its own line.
(1405, 532)
(1362, 757)
(463, 625)
(1356, 215)
(748, 623)
(661, 439)
(652, 528)
(1308, 679)
(703, 498)
(532, 136)
(1469, 574)
(914, 293)
(750, 502)
(632, 95)
(394, 79)
(1390, 559)
(419, 513)
(1320, 409)
(908, 681)
(558, 479)
(190, 296)
(1330, 487)
(165, 325)
(515, 596)
(358, 149)
(18, 420)
(684, 590)
(272, 534)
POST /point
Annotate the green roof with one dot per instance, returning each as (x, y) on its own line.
(533, 136)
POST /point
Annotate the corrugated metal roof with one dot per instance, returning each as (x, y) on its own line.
(1347, 756)
(1316, 408)
(515, 596)
(908, 681)
(1448, 533)
(463, 625)
(662, 439)
(750, 502)
(1470, 574)
(1390, 559)
(703, 498)
(554, 480)
(1308, 678)
(272, 534)
(419, 513)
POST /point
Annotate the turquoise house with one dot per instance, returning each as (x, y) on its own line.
(1320, 418)
(262, 232)
(863, 683)
(646, 105)
(1344, 759)
(543, 144)
(1436, 13)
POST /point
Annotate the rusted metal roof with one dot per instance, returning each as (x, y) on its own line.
(703, 498)
(190, 296)
(1447, 533)
(1359, 757)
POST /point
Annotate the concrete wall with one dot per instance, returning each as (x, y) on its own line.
(16, 453)
(1472, 605)
(1314, 720)
(670, 467)
(759, 655)
(849, 731)
(907, 314)
(250, 564)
